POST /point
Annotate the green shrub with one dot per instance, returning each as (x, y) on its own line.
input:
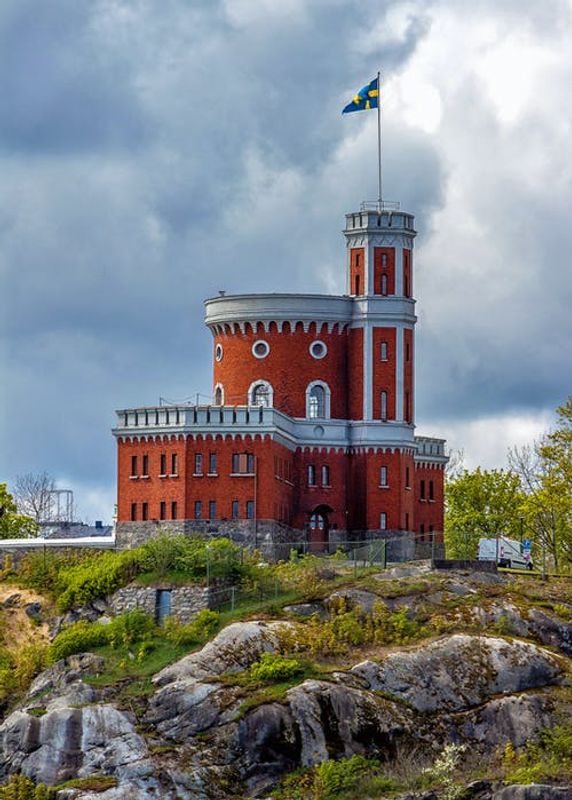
(273, 668)
(81, 584)
(78, 638)
(194, 556)
(126, 629)
(548, 757)
(21, 788)
(200, 630)
(333, 777)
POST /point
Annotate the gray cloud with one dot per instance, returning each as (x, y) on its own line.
(152, 154)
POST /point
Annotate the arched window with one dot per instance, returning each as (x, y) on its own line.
(260, 394)
(219, 395)
(318, 401)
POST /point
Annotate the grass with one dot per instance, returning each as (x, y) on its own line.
(93, 783)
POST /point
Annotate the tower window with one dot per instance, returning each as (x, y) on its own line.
(407, 351)
(383, 400)
(163, 464)
(384, 284)
(260, 394)
(311, 475)
(212, 463)
(422, 490)
(384, 351)
(383, 476)
(357, 285)
(218, 396)
(384, 260)
(134, 472)
(219, 352)
(317, 401)
(318, 350)
(325, 475)
(260, 349)
(407, 484)
(174, 464)
(145, 470)
(431, 491)
(383, 521)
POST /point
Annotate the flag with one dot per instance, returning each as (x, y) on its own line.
(366, 98)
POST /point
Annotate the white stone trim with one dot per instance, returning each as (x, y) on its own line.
(322, 344)
(367, 372)
(327, 404)
(256, 344)
(399, 373)
(269, 388)
(216, 388)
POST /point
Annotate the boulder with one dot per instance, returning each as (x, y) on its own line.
(234, 649)
(551, 630)
(534, 792)
(306, 609)
(34, 611)
(353, 598)
(12, 601)
(62, 683)
(460, 672)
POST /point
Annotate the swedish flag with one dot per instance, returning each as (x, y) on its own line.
(366, 98)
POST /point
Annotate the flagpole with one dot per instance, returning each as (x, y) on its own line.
(379, 138)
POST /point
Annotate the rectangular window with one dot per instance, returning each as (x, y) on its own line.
(407, 407)
(235, 509)
(250, 509)
(407, 484)
(174, 509)
(383, 401)
(198, 509)
(174, 464)
(383, 521)
(384, 351)
(383, 476)
(163, 470)
(212, 509)
(163, 510)
(212, 463)
(384, 284)
(145, 471)
(133, 512)
(311, 475)
(198, 463)
(325, 475)
(144, 511)
(384, 260)
(407, 351)
(422, 490)
(134, 472)
(243, 463)
(406, 521)
(431, 491)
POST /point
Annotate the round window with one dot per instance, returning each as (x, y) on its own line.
(260, 349)
(318, 349)
(219, 352)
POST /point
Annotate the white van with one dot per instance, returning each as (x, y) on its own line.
(509, 553)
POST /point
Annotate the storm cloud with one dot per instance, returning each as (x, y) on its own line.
(153, 154)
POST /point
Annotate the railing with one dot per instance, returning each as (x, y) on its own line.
(375, 205)
(429, 446)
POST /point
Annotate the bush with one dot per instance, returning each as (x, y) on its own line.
(21, 788)
(549, 757)
(333, 777)
(194, 556)
(272, 668)
(200, 630)
(127, 629)
(81, 584)
(78, 638)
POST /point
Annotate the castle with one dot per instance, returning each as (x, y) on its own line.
(310, 434)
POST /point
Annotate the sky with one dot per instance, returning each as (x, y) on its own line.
(152, 154)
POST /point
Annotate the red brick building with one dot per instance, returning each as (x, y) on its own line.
(310, 432)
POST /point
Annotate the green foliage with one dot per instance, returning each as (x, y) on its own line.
(125, 630)
(196, 557)
(345, 779)
(81, 584)
(333, 777)
(92, 783)
(19, 667)
(12, 524)
(200, 630)
(273, 668)
(549, 757)
(19, 787)
(346, 629)
(481, 503)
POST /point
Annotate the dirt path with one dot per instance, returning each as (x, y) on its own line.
(16, 627)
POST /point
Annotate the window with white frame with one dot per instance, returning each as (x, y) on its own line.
(383, 476)
(219, 395)
(383, 402)
(311, 475)
(318, 401)
(383, 521)
(260, 394)
(325, 475)
(384, 351)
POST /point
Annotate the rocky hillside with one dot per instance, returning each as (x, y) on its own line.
(406, 683)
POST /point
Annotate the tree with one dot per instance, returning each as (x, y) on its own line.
(33, 495)
(545, 470)
(12, 524)
(480, 503)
